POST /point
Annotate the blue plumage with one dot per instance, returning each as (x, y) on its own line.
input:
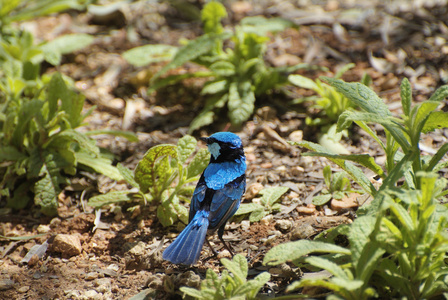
(216, 198)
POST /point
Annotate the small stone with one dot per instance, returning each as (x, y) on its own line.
(33, 260)
(307, 210)
(253, 190)
(345, 203)
(90, 294)
(267, 220)
(296, 136)
(91, 276)
(113, 267)
(23, 289)
(224, 254)
(6, 284)
(245, 225)
(103, 285)
(283, 225)
(68, 245)
(55, 222)
(43, 228)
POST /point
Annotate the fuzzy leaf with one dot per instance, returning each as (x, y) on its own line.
(66, 44)
(361, 96)
(109, 198)
(303, 82)
(241, 102)
(261, 25)
(406, 96)
(185, 147)
(321, 199)
(130, 136)
(238, 267)
(211, 16)
(127, 174)
(192, 50)
(223, 68)
(272, 194)
(99, 164)
(295, 250)
(198, 163)
(257, 215)
(147, 54)
(246, 208)
(437, 119)
(214, 87)
(440, 94)
(154, 166)
(328, 265)
(354, 172)
(10, 153)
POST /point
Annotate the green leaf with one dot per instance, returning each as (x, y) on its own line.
(66, 44)
(295, 250)
(241, 102)
(303, 82)
(130, 136)
(272, 194)
(257, 215)
(437, 157)
(223, 68)
(153, 167)
(192, 50)
(246, 208)
(354, 172)
(437, 119)
(109, 198)
(48, 188)
(440, 94)
(238, 266)
(10, 153)
(99, 164)
(406, 96)
(326, 264)
(363, 159)
(185, 148)
(261, 25)
(421, 113)
(64, 138)
(147, 54)
(361, 96)
(211, 16)
(191, 292)
(214, 87)
(198, 163)
(321, 199)
(203, 119)
(166, 214)
(127, 174)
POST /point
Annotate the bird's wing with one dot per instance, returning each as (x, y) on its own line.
(198, 197)
(225, 202)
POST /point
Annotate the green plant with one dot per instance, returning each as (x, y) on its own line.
(338, 186)
(38, 141)
(398, 244)
(235, 286)
(162, 178)
(21, 10)
(264, 205)
(237, 75)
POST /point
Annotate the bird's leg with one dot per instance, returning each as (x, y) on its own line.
(215, 254)
(220, 234)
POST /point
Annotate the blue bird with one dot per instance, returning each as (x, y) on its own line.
(216, 198)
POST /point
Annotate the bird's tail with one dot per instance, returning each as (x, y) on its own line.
(188, 245)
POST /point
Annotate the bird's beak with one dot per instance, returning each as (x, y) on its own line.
(205, 139)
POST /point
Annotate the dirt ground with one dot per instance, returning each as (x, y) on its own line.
(122, 256)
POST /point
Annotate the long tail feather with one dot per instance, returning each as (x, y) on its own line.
(188, 245)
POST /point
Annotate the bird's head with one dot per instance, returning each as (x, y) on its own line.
(224, 146)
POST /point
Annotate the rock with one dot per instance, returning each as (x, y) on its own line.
(224, 253)
(253, 190)
(284, 225)
(91, 276)
(296, 136)
(23, 289)
(43, 228)
(345, 203)
(245, 225)
(307, 210)
(68, 245)
(6, 284)
(103, 285)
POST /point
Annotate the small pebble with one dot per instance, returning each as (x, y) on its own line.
(267, 220)
(91, 276)
(23, 289)
(43, 228)
(224, 254)
(245, 225)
